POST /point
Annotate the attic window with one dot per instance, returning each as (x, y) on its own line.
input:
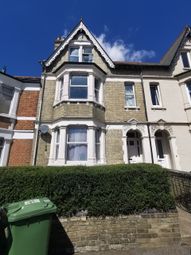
(80, 54)
(185, 59)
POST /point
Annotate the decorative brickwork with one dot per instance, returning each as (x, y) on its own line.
(115, 233)
(28, 103)
(20, 152)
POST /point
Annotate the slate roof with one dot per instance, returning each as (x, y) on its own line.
(170, 54)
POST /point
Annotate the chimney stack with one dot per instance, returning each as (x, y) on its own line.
(58, 41)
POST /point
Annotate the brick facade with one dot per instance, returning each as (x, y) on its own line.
(20, 152)
(24, 125)
(28, 103)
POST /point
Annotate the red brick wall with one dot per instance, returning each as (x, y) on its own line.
(28, 103)
(20, 152)
(24, 125)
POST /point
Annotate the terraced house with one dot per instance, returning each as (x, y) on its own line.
(93, 110)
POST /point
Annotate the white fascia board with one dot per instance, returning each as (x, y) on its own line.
(69, 38)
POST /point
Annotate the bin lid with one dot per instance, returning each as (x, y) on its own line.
(29, 208)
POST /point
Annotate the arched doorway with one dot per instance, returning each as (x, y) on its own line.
(164, 156)
(134, 147)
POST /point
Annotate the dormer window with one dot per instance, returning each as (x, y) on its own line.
(185, 59)
(80, 54)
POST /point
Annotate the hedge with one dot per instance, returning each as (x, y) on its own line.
(98, 190)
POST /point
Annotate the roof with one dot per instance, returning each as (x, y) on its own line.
(170, 54)
(66, 41)
(28, 79)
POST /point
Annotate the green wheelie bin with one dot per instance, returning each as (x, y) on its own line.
(29, 226)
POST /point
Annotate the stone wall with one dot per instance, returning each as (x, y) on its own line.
(83, 234)
(114, 147)
(114, 98)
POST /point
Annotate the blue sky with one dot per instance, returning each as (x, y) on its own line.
(142, 30)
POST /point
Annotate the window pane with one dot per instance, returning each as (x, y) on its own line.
(189, 90)
(130, 100)
(79, 80)
(80, 93)
(77, 152)
(74, 55)
(77, 134)
(129, 89)
(185, 59)
(154, 94)
(6, 95)
(88, 50)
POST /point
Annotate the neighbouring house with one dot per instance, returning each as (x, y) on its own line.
(93, 110)
(18, 111)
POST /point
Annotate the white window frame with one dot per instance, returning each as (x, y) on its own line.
(153, 84)
(81, 53)
(129, 83)
(78, 86)
(189, 60)
(76, 143)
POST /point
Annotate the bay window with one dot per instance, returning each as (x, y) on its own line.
(78, 87)
(6, 96)
(130, 94)
(60, 88)
(77, 143)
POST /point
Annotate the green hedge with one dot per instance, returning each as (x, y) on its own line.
(101, 190)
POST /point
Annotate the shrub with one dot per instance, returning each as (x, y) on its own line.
(101, 190)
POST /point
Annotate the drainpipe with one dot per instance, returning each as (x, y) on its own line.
(39, 116)
(146, 115)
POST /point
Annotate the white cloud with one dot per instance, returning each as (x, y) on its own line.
(119, 51)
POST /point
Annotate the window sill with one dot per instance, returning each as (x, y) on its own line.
(186, 68)
(158, 108)
(136, 108)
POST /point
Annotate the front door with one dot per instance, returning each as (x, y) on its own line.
(134, 150)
